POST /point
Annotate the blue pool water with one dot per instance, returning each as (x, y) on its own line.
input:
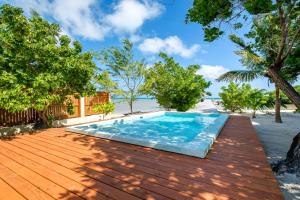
(178, 132)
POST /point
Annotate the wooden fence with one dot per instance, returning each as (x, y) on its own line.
(90, 102)
(59, 111)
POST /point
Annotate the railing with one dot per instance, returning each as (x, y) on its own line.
(59, 111)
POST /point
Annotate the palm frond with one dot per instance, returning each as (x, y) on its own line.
(240, 75)
(250, 59)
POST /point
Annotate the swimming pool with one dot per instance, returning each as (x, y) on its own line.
(185, 133)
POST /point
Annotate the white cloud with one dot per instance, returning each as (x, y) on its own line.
(86, 19)
(212, 72)
(129, 15)
(170, 45)
(135, 38)
(77, 18)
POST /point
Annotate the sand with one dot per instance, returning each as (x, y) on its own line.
(276, 139)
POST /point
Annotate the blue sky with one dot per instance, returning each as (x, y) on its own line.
(153, 26)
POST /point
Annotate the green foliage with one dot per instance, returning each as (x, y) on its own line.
(284, 99)
(216, 13)
(258, 55)
(105, 108)
(50, 119)
(70, 107)
(237, 25)
(210, 34)
(125, 75)
(38, 66)
(235, 96)
(258, 100)
(240, 75)
(105, 83)
(291, 69)
(173, 86)
(206, 11)
(258, 6)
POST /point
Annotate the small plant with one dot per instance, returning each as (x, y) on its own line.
(104, 108)
(50, 118)
(258, 100)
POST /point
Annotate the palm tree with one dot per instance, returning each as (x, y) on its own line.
(257, 67)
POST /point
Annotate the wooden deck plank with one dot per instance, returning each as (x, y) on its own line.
(86, 191)
(125, 151)
(22, 186)
(42, 183)
(72, 170)
(7, 192)
(89, 154)
(123, 171)
(236, 167)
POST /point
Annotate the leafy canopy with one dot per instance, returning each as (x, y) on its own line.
(213, 14)
(125, 75)
(272, 40)
(38, 66)
(258, 54)
(271, 46)
(173, 86)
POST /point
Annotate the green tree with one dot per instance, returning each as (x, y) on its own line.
(38, 66)
(234, 96)
(278, 35)
(173, 86)
(105, 108)
(258, 100)
(125, 75)
(257, 65)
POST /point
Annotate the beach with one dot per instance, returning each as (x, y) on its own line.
(147, 105)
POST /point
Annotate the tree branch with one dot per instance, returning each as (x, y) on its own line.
(284, 33)
(291, 44)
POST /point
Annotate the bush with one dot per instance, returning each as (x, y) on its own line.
(105, 108)
(234, 97)
(259, 100)
(173, 86)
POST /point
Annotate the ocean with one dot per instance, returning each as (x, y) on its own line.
(142, 104)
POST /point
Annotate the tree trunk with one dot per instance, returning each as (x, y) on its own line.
(285, 87)
(43, 117)
(131, 105)
(277, 105)
(292, 162)
(254, 114)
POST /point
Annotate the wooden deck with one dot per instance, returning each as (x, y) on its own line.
(55, 164)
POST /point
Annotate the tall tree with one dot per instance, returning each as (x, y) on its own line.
(127, 73)
(174, 86)
(281, 29)
(257, 66)
(38, 66)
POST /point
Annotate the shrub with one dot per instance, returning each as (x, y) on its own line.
(258, 100)
(234, 97)
(105, 108)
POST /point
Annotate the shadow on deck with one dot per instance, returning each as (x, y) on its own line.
(55, 164)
